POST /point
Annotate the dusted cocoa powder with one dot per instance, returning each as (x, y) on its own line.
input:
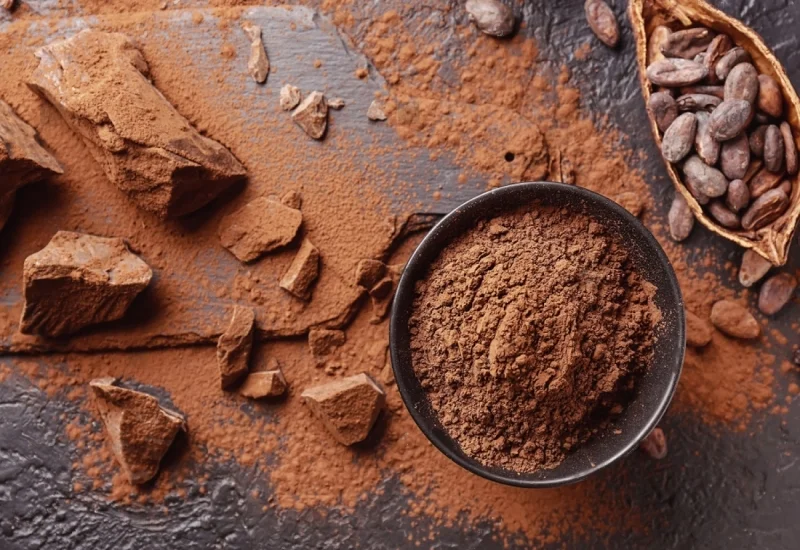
(528, 333)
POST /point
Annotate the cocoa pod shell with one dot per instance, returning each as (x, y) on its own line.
(772, 241)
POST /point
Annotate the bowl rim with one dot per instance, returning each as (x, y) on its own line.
(492, 197)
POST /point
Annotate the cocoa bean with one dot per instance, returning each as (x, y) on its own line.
(679, 138)
(700, 58)
(734, 320)
(770, 97)
(602, 22)
(776, 292)
(723, 215)
(655, 444)
(754, 168)
(687, 43)
(765, 209)
(763, 181)
(681, 219)
(716, 91)
(790, 148)
(707, 180)
(757, 140)
(786, 187)
(674, 73)
(698, 331)
(706, 146)
(663, 109)
(698, 102)
(730, 60)
(654, 43)
(735, 157)
(730, 119)
(753, 267)
(742, 83)
(738, 196)
(491, 16)
(716, 49)
(774, 152)
(696, 193)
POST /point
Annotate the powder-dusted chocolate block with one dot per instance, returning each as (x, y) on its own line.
(139, 429)
(260, 226)
(22, 159)
(299, 279)
(79, 280)
(234, 346)
(100, 84)
(268, 383)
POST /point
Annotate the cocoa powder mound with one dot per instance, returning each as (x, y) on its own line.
(527, 330)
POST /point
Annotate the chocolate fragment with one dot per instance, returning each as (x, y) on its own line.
(708, 148)
(22, 158)
(261, 384)
(770, 97)
(734, 320)
(674, 73)
(375, 110)
(631, 202)
(143, 144)
(738, 196)
(790, 148)
(348, 408)
(602, 21)
(698, 331)
(292, 199)
(369, 272)
(774, 152)
(765, 209)
(753, 267)
(681, 219)
(730, 119)
(312, 115)
(730, 60)
(776, 292)
(723, 215)
(655, 444)
(324, 343)
(742, 83)
(260, 226)
(679, 138)
(687, 43)
(663, 109)
(290, 97)
(258, 64)
(303, 272)
(234, 346)
(79, 280)
(492, 17)
(140, 431)
(336, 103)
(735, 157)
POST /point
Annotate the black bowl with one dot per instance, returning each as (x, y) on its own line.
(654, 388)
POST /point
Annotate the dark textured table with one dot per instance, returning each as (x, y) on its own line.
(717, 489)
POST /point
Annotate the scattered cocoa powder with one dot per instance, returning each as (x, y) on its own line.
(526, 330)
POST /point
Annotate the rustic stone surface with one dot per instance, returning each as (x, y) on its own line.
(79, 280)
(258, 63)
(680, 218)
(753, 268)
(348, 408)
(698, 331)
(325, 343)
(163, 164)
(139, 430)
(22, 158)
(260, 226)
(734, 320)
(312, 115)
(269, 383)
(290, 97)
(234, 347)
(776, 292)
(303, 272)
(491, 17)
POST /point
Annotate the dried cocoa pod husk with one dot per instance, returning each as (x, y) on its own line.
(771, 241)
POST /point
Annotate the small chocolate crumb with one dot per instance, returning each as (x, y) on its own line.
(290, 97)
(336, 103)
(375, 110)
(261, 384)
(234, 346)
(302, 273)
(258, 64)
(655, 444)
(312, 115)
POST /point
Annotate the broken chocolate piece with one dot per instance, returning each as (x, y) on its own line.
(234, 346)
(369, 272)
(336, 103)
(698, 331)
(258, 64)
(312, 115)
(259, 227)
(269, 383)
(139, 429)
(303, 272)
(380, 297)
(79, 280)
(324, 343)
(375, 110)
(290, 97)
(292, 199)
(99, 82)
(348, 408)
(22, 159)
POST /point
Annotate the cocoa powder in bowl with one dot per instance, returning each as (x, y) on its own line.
(528, 333)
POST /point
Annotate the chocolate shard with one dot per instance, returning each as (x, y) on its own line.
(369, 272)
(259, 227)
(144, 146)
(303, 272)
(269, 383)
(258, 63)
(348, 407)
(139, 429)
(698, 331)
(234, 346)
(22, 158)
(79, 280)
(312, 115)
